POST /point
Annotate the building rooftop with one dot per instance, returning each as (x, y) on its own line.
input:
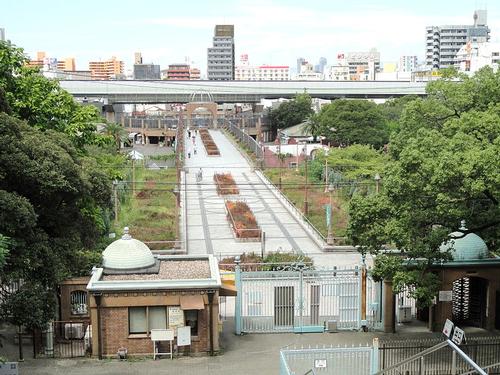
(170, 269)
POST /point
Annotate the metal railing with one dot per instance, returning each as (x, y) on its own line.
(425, 362)
(246, 139)
(313, 230)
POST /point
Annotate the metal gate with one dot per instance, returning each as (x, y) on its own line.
(71, 339)
(298, 300)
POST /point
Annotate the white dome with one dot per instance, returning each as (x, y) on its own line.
(127, 253)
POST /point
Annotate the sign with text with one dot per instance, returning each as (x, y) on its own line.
(175, 317)
(448, 328)
(320, 363)
(162, 334)
(9, 368)
(458, 336)
(445, 296)
(184, 336)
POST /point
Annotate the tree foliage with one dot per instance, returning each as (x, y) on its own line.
(291, 112)
(346, 122)
(443, 168)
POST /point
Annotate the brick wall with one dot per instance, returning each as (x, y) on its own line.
(115, 334)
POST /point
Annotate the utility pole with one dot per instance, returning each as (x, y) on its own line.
(326, 174)
(115, 198)
(306, 203)
(133, 175)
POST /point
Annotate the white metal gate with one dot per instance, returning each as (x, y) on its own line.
(290, 300)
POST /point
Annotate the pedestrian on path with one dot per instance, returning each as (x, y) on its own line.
(194, 150)
(194, 139)
(189, 133)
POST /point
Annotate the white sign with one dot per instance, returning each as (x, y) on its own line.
(445, 296)
(162, 334)
(448, 327)
(458, 336)
(320, 363)
(175, 317)
(184, 336)
(9, 368)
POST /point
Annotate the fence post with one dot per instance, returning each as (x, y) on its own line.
(237, 305)
(375, 357)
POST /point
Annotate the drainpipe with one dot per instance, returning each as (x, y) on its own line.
(211, 320)
(97, 297)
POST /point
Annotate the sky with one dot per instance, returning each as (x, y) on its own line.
(273, 32)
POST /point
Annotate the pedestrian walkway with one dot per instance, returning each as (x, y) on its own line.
(208, 228)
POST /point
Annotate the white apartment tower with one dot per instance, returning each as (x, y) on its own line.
(443, 42)
(220, 57)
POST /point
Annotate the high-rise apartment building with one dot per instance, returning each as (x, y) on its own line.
(320, 67)
(407, 64)
(47, 63)
(443, 42)
(181, 71)
(262, 73)
(108, 69)
(2, 34)
(220, 57)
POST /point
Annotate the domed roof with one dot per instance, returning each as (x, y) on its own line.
(127, 253)
(468, 247)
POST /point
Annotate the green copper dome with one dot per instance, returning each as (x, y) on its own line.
(468, 247)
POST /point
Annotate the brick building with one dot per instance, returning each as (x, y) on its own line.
(136, 292)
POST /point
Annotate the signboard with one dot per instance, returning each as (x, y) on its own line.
(320, 363)
(184, 336)
(445, 296)
(9, 368)
(448, 327)
(175, 317)
(458, 336)
(162, 334)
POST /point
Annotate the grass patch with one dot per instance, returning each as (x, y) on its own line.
(150, 210)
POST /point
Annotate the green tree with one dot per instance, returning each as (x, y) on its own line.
(291, 112)
(347, 122)
(443, 167)
(116, 132)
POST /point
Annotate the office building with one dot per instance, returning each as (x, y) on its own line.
(407, 64)
(307, 73)
(137, 58)
(246, 72)
(444, 42)
(300, 61)
(220, 57)
(363, 66)
(2, 34)
(178, 72)
(320, 67)
(474, 56)
(109, 69)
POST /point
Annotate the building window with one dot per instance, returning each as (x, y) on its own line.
(157, 317)
(137, 320)
(191, 317)
(78, 300)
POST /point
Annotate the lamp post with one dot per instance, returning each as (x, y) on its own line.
(297, 164)
(329, 217)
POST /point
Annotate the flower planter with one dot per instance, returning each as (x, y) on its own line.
(225, 184)
(208, 143)
(243, 222)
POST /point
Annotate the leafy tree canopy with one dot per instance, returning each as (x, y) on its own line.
(347, 122)
(291, 112)
(443, 168)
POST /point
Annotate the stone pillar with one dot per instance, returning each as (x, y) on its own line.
(443, 309)
(109, 112)
(388, 312)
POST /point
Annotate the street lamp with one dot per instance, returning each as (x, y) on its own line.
(329, 216)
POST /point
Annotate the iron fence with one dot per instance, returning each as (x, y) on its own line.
(246, 139)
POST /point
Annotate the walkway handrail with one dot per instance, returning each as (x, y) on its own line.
(484, 368)
(433, 349)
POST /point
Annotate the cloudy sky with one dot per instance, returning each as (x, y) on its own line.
(269, 31)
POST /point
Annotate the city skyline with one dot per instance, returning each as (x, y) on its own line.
(273, 33)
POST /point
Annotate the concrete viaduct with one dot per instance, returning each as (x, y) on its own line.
(154, 92)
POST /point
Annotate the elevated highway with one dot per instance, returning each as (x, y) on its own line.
(153, 92)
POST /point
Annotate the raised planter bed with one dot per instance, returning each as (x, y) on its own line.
(243, 222)
(208, 143)
(225, 184)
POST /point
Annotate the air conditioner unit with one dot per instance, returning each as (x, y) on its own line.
(331, 326)
(73, 331)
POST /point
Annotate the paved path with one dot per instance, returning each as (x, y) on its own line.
(208, 228)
